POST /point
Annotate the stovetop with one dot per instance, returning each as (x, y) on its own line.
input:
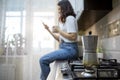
(107, 69)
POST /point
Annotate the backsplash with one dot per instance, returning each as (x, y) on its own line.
(108, 31)
(112, 29)
(111, 47)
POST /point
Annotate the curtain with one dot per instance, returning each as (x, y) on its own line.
(22, 34)
(21, 25)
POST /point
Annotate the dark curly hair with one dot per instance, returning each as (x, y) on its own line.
(66, 10)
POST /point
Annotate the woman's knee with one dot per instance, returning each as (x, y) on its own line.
(43, 60)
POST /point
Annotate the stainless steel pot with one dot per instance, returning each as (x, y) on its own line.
(89, 50)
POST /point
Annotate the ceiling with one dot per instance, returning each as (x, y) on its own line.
(93, 11)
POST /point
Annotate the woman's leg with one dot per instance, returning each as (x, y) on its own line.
(61, 54)
(67, 52)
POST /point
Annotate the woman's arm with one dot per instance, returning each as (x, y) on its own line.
(56, 36)
(71, 29)
(70, 36)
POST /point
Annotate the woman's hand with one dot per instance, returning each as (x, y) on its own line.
(46, 26)
(55, 29)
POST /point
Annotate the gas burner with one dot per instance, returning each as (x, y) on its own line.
(88, 73)
(108, 69)
(108, 62)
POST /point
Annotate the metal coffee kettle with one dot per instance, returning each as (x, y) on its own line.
(89, 43)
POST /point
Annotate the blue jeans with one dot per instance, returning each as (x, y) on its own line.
(67, 51)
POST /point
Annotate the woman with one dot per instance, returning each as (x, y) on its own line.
(67, 38)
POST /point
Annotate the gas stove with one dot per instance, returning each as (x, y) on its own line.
(108, 69)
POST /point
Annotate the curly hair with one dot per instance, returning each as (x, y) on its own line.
(66, 10)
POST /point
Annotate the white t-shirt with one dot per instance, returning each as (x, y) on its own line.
(70, 26)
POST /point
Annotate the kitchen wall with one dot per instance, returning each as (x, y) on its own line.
(108, 30)
(115, 3)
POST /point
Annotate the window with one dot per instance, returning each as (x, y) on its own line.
(15, 32)
(42, 40)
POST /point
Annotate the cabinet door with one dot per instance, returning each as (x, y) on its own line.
(78, 6)
(73, 3)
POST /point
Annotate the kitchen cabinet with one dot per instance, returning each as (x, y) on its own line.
(77, 6)
(93, 11)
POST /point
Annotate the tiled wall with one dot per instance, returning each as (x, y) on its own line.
(108, 30)
(115, 3)
(112, 47)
